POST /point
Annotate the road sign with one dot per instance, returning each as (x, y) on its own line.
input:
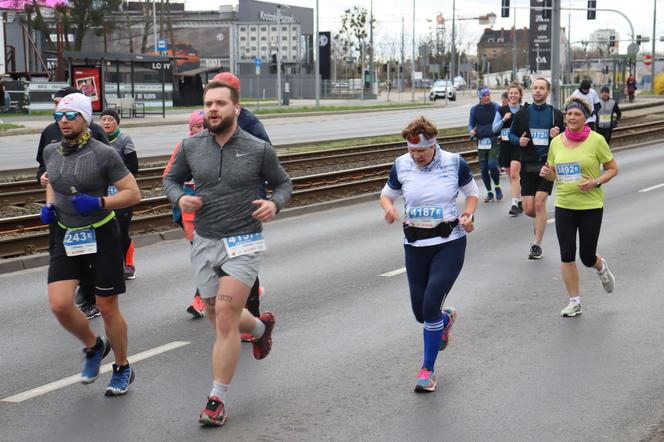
(258, 62)
(647, 60)
(632, 49)
(161, 45)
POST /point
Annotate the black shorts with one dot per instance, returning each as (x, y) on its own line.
(509, 153)
(104, 268)
(531, 182)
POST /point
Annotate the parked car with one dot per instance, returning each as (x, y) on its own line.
(460, 84)
(442, 89)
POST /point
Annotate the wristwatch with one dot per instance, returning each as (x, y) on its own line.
(469, 215)
(597, 183)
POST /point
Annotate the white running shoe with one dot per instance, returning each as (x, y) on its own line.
(607, 278)
(572, 309)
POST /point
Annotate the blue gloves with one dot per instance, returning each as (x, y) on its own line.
(47, 214)
(86, 204)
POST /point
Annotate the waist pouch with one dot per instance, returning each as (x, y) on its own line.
(444, 230)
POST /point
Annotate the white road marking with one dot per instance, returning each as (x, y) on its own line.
(648, 189)
(75, 379)
(394, 272)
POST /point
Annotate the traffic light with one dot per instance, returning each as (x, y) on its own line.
(638, 39)
(273, 64)
(546, 12)
(505, 8)
(592, 4)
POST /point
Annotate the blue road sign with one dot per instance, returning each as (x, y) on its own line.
(258, 61)
(161, 45)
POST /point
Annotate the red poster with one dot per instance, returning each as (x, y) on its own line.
(87, 79)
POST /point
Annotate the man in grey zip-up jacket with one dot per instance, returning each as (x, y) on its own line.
(228, 166)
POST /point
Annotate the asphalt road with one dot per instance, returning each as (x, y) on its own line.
(347, 349)
(19, 151)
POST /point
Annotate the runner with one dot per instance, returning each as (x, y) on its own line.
(590, 95)
(84, 240)
(504, 99)
(227, 163)
(85, 294)
(532, 129)
(429, 179)
(186, 219)
(510, 155)
(608, 107)
(123, 144)
(480, 128)
(575, 162)
(631, 88)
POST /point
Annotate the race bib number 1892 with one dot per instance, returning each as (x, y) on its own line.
(568, 172)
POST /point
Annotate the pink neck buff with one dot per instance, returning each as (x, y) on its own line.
(578, 137)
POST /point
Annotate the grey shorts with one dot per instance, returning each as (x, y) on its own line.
(208, 255)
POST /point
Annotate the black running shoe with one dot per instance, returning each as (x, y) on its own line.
(514, 211)
(90, 311)
(535, 252)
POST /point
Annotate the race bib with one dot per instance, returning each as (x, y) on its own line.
(112, 190)
(568, 172)
(484, 143)
(80, 242)
(540, 137)
(424, 217)
(244, 244)
(505, 134)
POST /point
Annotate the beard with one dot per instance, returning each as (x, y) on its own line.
(73, 135)
(223, 126)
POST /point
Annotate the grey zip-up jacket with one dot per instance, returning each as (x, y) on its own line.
(228, 179)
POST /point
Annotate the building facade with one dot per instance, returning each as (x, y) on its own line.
(494, 50)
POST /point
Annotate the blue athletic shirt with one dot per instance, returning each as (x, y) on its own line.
(435, 185)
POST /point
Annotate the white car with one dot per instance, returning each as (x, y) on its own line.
(442, 89)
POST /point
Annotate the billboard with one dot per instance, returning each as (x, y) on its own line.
(324, 52)
(87, 79)
(252, 11)
(540, 38)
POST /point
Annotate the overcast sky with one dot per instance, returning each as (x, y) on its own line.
(388, 14)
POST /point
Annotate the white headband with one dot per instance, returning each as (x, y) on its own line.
(420, 141)
(77, 102)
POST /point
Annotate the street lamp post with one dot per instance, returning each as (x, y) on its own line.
(537, 58)
(453, 53)
(654, 59)
(279, 55)
(317, 57)
(412, 61)
(154, 23)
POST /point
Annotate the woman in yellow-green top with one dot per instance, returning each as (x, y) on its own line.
(580, 162)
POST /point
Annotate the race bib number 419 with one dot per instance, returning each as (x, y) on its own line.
(424, 216)
(244, 244)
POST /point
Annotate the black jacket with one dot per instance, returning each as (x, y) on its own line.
(52, 134)
(520, 125)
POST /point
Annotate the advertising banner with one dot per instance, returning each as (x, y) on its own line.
(540, 38)
(87, 79)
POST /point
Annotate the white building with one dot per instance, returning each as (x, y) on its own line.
(601, 38)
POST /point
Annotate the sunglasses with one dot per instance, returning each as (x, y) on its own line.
(71, 116)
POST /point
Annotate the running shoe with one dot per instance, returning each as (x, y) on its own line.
(122, 377)
(92, 360)
(514, 210)
(129, 272)
(499, 194)
(90, 310)
(607, 278)
(571, 310)
(520, 207)
(214, 413)
(445, 338)
(246, 337)
(489, 197)
(263, 345)
(197, 307)
(535, 252)
(426, 381)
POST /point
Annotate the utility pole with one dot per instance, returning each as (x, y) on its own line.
(453, 53)
(514, 49)
(317, 57)
(154, 23)
(371, 50)
(555, 54)
(412, 62)
(654, 38)
(402, 53)
(279, 55)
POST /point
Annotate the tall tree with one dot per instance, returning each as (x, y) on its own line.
(354, 30)
(78, 18)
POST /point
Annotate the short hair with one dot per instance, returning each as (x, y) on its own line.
(517, 86)
(582, 101)
(418, 126)
(548, 84)
(215, 84)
